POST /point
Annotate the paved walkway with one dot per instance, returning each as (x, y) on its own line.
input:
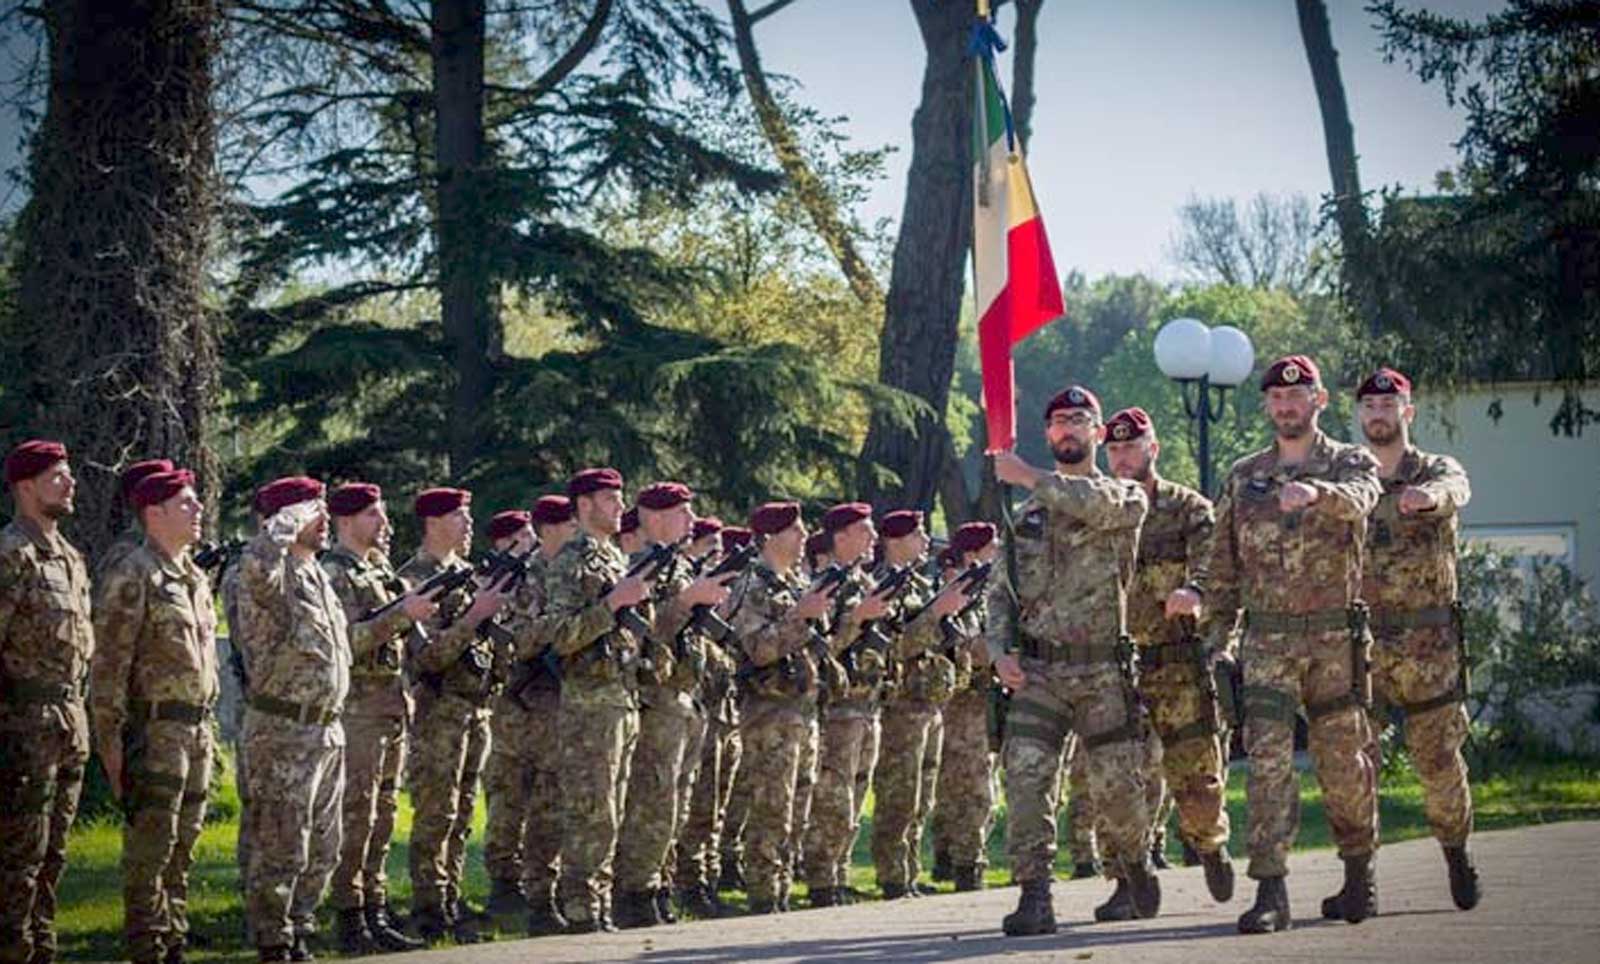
(1541, 904)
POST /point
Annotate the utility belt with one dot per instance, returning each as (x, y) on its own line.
(1072, 654)
(786, 678)
(1268, 703)
(1186, 652)
(169, 711)
(1431, 618)
(469, 678)
(19, 691)
(309, 714)
(607, 659)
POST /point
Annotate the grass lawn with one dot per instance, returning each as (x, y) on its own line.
(90, 917)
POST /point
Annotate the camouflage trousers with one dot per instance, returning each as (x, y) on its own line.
(168, 772)
(964, 810)
(1060, 698)
(449, 744)
(731, 847)
(241, 783)
(374, 760)
(296, 781)
(911, 732)
(698, 855)
(668, 750)
(846, 755)
(598, 730)
(774, 732)
(1187, 753)
(1282, 672)
(43, 751)
(522, 784)
(1410, 668)
(1084, 823)
(805, 782)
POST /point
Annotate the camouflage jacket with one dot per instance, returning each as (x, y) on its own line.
(377, 681)
(777, 663)
(1411, 559)
(121, 547)
(966, 647)
(917, 669)
(598, 654)
(155, 628)
(1174, 552)
(453, 658)
(1307, 561)
(46, 630)
(1076, 540)
(293, 632)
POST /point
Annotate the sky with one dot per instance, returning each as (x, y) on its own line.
(1140, 105)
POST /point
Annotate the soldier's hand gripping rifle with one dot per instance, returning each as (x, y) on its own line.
(649, 566)
(971, 582)
(504, 571)
(704, 617)
(215, 557)
(890, 588)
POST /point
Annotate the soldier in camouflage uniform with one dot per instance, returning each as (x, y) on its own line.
(1290, 525)
(522, 842)
(1059, 644)
(154, 685)
(376, 716)
(232, 662)
(919, 679)
(1409, 580)
(46, 643)
(132, 537)
(450, 741)
(848, 744)
(964, 812)
(672, 717)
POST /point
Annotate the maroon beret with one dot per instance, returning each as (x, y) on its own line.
(972, 536)
(1384, 381)
(139, 471)
(735, 536)
(353, 497)
(816, 544)
(552, 510)
(1073, 396)
(31, 458)
(658, 496)
(774, 517)
(158, 487)
(508, 523)
(282, 493)
(590, 481)
(1129, 424)
(630, 521)
(432, 503)
(708, 525)
(845, 514)
(1291, 370)
(900, 523)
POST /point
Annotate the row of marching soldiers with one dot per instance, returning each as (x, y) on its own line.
(602, 672)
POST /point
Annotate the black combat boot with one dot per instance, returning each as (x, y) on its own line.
(732, 877)
(823, 897)
(463, 930)
(1144, 890)
(354, 936)
(763, 906)
(1359, 898)
(300, 950)
(968, 878)
(174, 953)
(637, 908)
(1035, 914)
(393, 918)
(386, 933)
(1084, 869)
(942, 869)
(895, 891)
(432, 923)
(1119, 907)
(1158, 854)
(1271, 910)
(1191, 857)
(544, 917)
(1464, 888)
(663, 902)
(1219, 874)
(920, 889)
(700, 901)
(506, 898)
(272, 955)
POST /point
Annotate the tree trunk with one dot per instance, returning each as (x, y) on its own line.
(808, 188)
(119, 351)
(466, 284)
(1348, 205)
(918, 344)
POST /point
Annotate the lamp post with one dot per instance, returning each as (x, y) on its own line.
(1211, 359)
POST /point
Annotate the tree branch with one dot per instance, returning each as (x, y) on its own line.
(569, 61)
(768, 11)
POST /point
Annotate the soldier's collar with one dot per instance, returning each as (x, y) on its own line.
(37, 535)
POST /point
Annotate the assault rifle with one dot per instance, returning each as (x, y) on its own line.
(215, 557)
(703, 617)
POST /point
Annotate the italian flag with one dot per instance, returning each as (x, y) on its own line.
(1015, 276)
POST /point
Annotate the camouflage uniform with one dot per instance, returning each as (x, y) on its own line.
(521, 781)
(376, 716)
(1174, 552)
(127, 542)
(698, 850)
(779, 674)
(848, 747)
(297, 646)
(453, 686)
(46, 642)
(1409, 580)
(1080, 814)
(599, 719)
(964, 811)
(233, 658)
(1075, 543)
(1298, 575)
(154, 686)
(919, 681)
(671, 730)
